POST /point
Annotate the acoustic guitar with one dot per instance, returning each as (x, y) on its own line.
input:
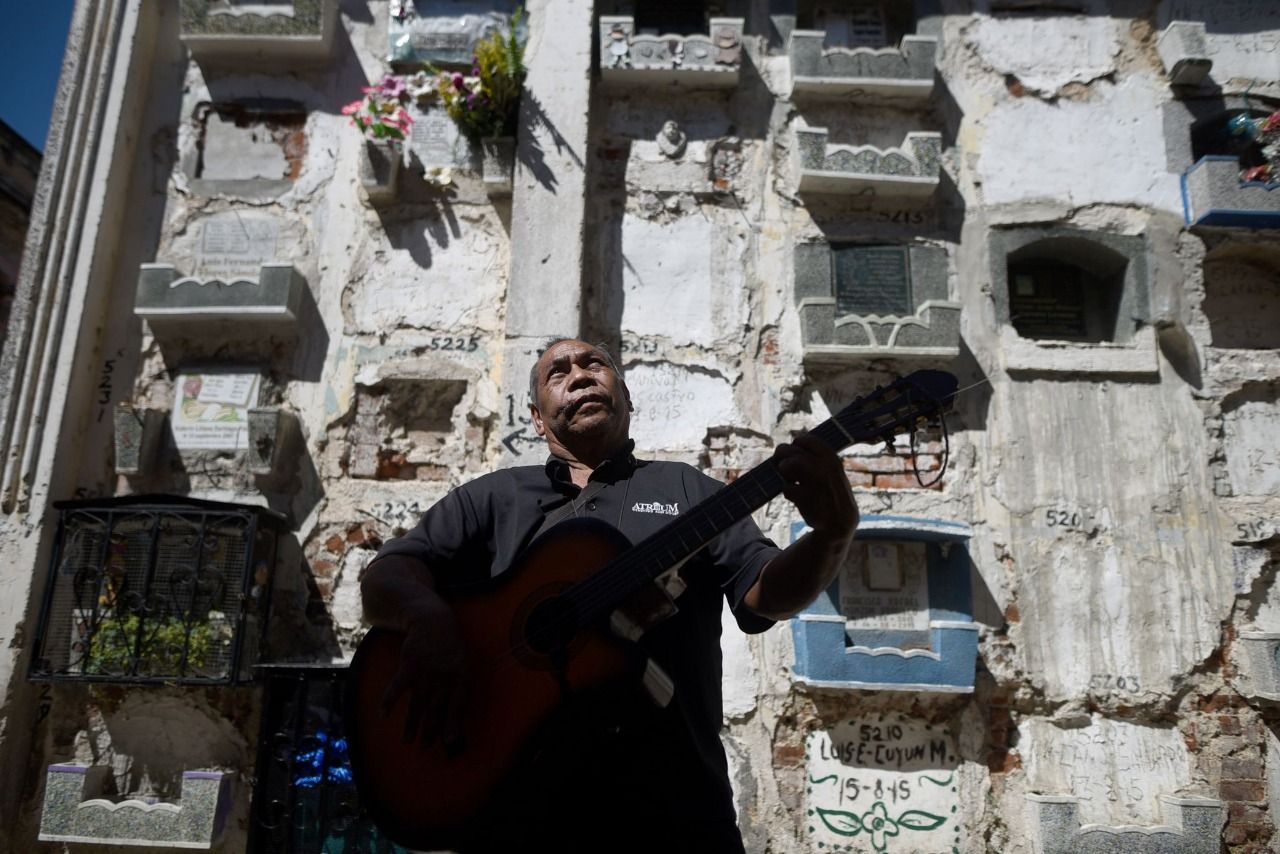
(539, 635)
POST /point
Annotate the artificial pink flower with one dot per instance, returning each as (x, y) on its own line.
(392, 86)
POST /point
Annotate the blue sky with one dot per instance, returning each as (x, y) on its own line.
(31, 51)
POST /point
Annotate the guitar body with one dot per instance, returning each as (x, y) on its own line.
(423, 797)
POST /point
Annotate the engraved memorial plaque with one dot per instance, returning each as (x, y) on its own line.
(885, 585)
(235, 245)
(443, 31)
(872, 280)
(1047, 301)
(436, 140)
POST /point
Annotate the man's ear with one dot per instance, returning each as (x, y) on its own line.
(536, 416)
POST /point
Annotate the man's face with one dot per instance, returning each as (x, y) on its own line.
(579, 395)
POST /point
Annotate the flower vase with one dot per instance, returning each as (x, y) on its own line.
(380, 171)
(498, 164)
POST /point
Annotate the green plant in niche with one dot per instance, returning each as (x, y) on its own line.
(486, 102)
(112, 644)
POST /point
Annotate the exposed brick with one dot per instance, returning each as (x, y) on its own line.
(862, 479)
(1011, 613)
(883, 463)
(1241, 769)
(356, 535)
(323, 568)
(902, 481)
(1235, 834)
(1237, 813)
(1003, 761)
(1242, 790)
(1215, 702)
(788, 754)
(1229, 724)
(335, 544)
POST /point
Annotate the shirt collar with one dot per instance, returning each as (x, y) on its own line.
(615, 468)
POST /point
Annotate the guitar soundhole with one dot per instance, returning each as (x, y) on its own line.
(551, 627)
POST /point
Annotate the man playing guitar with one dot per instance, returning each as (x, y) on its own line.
(626, 773)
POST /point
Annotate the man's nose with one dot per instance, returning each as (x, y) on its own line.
(580, 376)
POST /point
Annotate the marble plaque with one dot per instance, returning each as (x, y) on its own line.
(443, 31)
(211, 411)
(1118, 770)
(885, 783)
(235, 245)
(873, 280)
(1253, 465)
(885, 585)
(436, 140)
(674, 405)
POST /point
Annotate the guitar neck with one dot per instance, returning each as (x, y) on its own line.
(599, 595)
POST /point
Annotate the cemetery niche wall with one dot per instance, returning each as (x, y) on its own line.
(898, 617)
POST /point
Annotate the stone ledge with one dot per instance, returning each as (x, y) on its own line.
(1213, 194)
(694, 60)
(218, 33)
(165, 296)
(1185, 54)
(1194, 828)
(196, 821)
(905, 73)
(1135, 358)
(911, 170)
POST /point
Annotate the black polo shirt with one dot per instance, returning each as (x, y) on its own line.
(480, 528)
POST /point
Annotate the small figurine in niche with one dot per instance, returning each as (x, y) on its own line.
(672, 140)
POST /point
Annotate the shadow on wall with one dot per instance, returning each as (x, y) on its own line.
(424, 217)
(534, 117)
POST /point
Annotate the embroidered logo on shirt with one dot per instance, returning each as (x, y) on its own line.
(672, 509)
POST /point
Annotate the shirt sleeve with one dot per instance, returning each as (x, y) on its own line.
(739, 554)
(452, 538)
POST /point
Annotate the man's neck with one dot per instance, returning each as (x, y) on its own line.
(582, 461)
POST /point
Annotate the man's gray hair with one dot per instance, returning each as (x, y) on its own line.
(551, 342)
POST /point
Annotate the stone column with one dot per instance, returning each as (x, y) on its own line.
(548, 207)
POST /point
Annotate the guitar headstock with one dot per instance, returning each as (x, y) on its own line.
(896, 407)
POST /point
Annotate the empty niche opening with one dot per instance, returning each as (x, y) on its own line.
(264, 141)
(403, 428)
(1065, 289)
(870, 23)
(669, 17)
(421, 410)
(1217, 136)
(1242, 301)
(872, 280)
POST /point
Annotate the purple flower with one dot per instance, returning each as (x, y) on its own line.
(458, 82)
(392, 86)
(471, 100)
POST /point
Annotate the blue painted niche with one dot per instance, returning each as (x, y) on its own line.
(937, 653)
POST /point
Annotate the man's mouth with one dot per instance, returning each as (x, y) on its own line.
(572, 408)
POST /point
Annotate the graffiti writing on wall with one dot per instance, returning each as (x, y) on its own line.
(882, 784)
